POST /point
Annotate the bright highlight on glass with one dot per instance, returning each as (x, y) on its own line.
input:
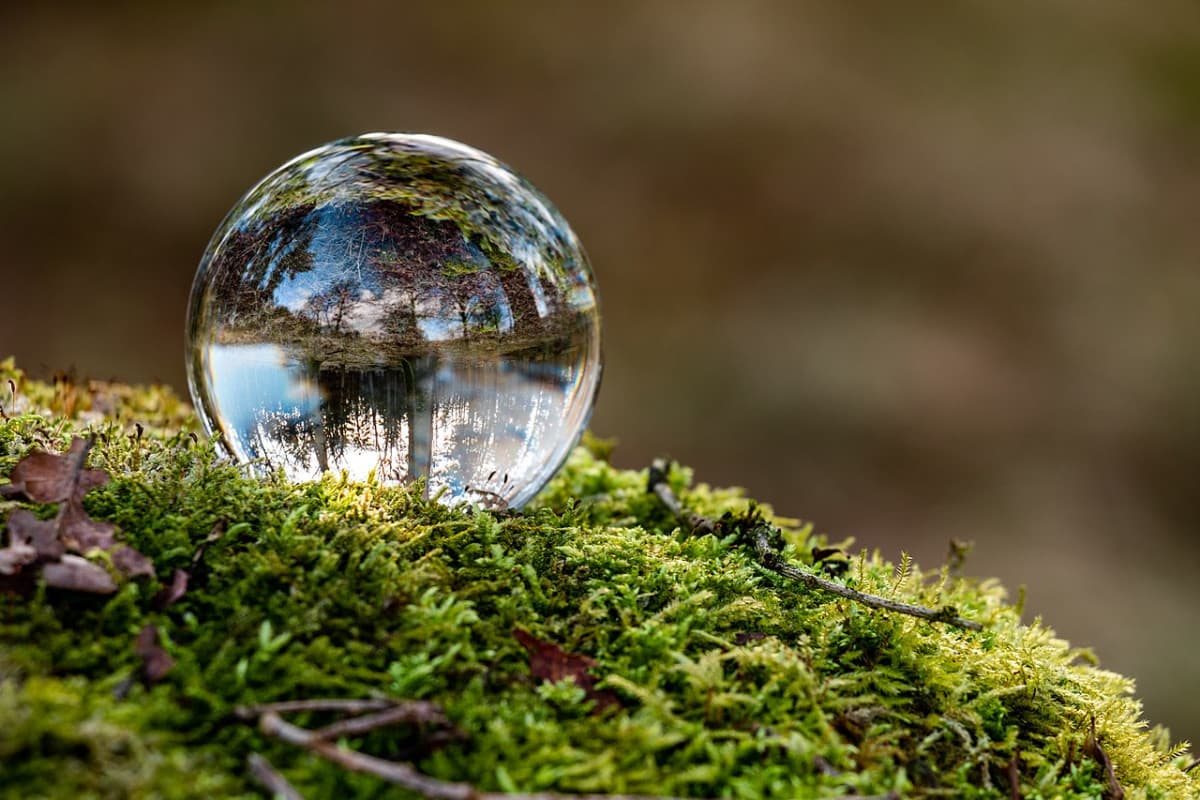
(398, 304)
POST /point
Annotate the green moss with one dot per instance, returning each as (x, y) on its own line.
(733, 682)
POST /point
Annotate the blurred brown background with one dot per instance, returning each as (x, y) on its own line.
(912, 274)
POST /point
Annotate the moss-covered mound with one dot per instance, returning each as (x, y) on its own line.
(714, 677)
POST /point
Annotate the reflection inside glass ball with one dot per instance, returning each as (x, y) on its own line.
(398, 305)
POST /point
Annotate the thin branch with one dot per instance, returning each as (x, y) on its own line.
(760, 538)
(272, 724)
(317, 704)
(404, 775)
(265, 776)
(658, 484)
(770, 558)
(366, 715)
(317, 742)
(415, 711)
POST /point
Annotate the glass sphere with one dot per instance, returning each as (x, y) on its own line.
(399, 305)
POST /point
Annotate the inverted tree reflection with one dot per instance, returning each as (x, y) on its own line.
(456, 421)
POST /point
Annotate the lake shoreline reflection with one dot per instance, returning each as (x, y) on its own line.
(465, 425)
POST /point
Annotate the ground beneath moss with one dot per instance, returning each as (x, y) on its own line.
(724, 679)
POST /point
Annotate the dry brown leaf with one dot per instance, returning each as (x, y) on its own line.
(78, 574)
(15, 557)
(81, 533)
(156, 662)
(41, 535)
(50, 478)
(173, 592)
(46, 477)
(131, 563)
(549, 662)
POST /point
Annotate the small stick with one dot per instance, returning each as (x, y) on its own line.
(319, 704)
(1014, 776)
(403, 775)
(769, 557)
(416, 711)
(660, 488)
(271, 724)
(265, 776)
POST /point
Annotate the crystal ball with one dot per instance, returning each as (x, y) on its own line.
(402, 306)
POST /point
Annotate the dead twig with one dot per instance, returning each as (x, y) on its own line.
(376, 714)
(761, 537)
(318, 704)
(403, 775)
(265, 776)
(417, 712)
(1014, 775)
(275, 726)
(697, 523)
(769, 558)
(1091, 748)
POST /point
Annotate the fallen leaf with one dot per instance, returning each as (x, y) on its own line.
(132, 563)
(78, 574)
(156, 662)
(549, 662)
(47, 478)
(16, 556)
(50, 478)
(173, 592)
(41, 535)
(81, 533)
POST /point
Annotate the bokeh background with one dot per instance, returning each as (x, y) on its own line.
(914, 272)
